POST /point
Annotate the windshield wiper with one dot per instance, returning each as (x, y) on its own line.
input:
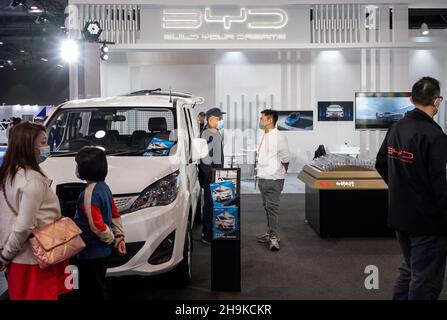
(157, 149)
(62, 153)
(126, 152)
(137, 152)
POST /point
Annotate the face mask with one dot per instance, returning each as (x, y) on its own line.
(261, 125)
(220, 124)
(43, 154)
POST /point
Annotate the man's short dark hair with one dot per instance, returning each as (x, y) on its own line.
(273, 114)
(92, 164)
(16, 120)
(201, 113)
(425, 91)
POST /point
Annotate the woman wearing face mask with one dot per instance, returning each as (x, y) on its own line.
(26, 189)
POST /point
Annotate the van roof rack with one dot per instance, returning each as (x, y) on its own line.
(160, 92)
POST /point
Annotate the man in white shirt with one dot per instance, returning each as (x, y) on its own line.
(272, 165)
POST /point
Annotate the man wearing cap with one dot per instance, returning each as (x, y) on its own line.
(215, 159)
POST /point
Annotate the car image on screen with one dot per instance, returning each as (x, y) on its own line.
(335, 111)
(378, 110)
(389, 116)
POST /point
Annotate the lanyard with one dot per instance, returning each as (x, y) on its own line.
(260, 144)
(256, 160)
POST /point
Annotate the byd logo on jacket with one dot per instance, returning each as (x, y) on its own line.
(401, 155)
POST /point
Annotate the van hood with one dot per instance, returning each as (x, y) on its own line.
(125, 175)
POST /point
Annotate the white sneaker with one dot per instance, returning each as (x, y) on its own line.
(274, 243)
(264, 238)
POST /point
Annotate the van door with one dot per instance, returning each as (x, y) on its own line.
(191, 167)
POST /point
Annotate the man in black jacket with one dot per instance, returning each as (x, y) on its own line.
(412, 160)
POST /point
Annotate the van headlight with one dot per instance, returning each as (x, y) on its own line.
(160, 193)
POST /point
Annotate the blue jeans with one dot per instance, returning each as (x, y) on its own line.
(422, 272)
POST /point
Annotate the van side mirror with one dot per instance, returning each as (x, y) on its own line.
(199, 149)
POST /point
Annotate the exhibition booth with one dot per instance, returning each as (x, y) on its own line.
(303, 60)
(339, 75)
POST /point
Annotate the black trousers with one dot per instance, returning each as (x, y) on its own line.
(92, 278)
(422, 273)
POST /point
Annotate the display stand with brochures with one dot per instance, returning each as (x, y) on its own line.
(226, 228)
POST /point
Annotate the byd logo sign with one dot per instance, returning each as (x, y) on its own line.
(252, 18)
(401, 155)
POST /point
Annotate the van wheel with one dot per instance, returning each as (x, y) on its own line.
(183, 272)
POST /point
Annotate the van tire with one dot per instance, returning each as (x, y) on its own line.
(182, 273)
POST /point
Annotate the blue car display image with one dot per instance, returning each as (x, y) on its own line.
(293, 119)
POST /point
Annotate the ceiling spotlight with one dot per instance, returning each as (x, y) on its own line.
(92, 30)
(44, 59)
(424, 29)
(22, 51)
(35, 9)
(69, 50)
(60, 66)
(1, 43)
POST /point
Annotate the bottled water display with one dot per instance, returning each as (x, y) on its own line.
(335, 162)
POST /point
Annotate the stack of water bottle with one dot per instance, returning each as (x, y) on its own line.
(331, 162)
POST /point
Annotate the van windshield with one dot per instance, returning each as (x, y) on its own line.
(123, 131)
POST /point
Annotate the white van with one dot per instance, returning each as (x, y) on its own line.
(156, 189)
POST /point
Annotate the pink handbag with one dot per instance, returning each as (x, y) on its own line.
(55, 242)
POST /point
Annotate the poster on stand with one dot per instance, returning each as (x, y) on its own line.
(225, 175)
(225, 191)
(225, 223)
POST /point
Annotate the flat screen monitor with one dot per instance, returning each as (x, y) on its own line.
(379, 110)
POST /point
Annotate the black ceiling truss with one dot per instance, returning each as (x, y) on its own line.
(28, 37)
